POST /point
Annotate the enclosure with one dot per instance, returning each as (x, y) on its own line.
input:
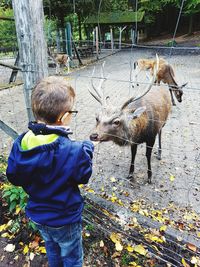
(126, 222)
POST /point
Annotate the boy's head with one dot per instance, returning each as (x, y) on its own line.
(51, 99)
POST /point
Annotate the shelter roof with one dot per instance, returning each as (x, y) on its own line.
(121, 17)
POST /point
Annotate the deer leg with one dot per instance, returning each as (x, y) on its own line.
(57, 68)
(172, 98)
(159, 145)
(132, 167)
(67, 65)
(148, 155)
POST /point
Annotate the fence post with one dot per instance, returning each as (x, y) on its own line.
(68, 39)
(111, 39)
(29, 19)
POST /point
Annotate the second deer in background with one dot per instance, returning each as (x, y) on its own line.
(60, 60)
(165, 74)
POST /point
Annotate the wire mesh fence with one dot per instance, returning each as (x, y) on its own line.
(175, 178)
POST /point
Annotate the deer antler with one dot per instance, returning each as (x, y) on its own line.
(98, 93)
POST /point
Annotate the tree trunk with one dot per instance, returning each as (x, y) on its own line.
(79, 28)
(29, 21)
(190, 28)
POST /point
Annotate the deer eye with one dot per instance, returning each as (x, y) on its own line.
(97, 119)
(116, 122)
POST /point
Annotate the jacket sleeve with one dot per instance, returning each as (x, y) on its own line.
(83, 170)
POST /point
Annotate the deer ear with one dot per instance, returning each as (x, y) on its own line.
(138, 112)
(184, 85)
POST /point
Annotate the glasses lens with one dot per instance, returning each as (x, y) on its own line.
(74, 115)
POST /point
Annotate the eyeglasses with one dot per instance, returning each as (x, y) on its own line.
(73, 112)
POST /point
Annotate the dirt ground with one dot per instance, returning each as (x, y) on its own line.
(180, 139)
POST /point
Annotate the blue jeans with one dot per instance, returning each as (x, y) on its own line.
(63, 245)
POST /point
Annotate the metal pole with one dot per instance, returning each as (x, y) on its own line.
(97, 42)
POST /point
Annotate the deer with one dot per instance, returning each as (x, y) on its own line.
(165, 74)
(138, 120)
(59, 59)
(144, 64)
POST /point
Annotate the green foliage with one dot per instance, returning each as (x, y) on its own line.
(7, 29)
(125, 259)
(89, 227)
(3, 165)
(172, 43)
(150, 8)
(31, 225)
(192, 7)
(15, 197)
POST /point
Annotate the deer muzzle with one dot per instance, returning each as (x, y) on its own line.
(94, 137)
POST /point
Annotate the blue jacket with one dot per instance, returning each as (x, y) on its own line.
(50, 175)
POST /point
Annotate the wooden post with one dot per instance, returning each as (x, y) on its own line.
(97, 42)
(111, 39)
(29, 20)
(120, 35)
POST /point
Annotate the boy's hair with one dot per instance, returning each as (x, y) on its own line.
(51, 97)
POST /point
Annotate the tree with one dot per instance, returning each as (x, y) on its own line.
(191, 7)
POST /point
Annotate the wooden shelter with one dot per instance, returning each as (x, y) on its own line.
(129, 20)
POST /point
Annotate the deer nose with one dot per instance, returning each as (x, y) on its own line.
(94, 137)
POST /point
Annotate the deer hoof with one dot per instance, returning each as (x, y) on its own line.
(149, 180)
(158, 157)
(130, 176)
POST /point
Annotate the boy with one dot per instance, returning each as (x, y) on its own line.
(49, 167)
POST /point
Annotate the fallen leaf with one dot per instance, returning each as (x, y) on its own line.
(9, 248)
(32, 255)
(101, 244)
(3, 227)
(112, 179)
(25, 250)
(118, 246)
(129, 248)
(172, 177)
(116, 255)
(163, 228)
(33, 244)
(192, 247)
(115, 237)
(140, 249)
(42, 250)
(17, 211)
(185, 263)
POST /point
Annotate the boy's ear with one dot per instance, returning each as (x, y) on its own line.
(138, 112)
(64, 117)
